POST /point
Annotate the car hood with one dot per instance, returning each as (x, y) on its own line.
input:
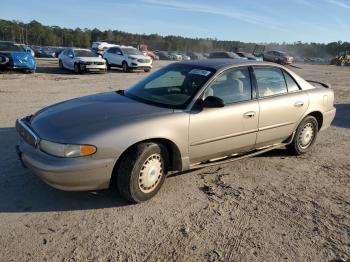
(90, 59)
(139, 56)
(73, 120)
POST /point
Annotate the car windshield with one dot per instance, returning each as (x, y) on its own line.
(173, 86)
(9, 47)
(84, 53)
(131, 51)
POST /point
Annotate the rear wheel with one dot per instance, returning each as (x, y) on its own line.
(305, 136)
(147, 70)
(125, 67)
(142, 172)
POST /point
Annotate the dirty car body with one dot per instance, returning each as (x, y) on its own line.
(186, 115)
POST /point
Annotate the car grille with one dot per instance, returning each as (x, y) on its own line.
(143, 60)
(94, 63)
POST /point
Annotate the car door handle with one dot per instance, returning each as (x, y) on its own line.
(249, 114)
(299, 104)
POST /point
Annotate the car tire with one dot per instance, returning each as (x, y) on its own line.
(304, 137)
(77, 68)
(142, 172)
(147, 70)
(125, 67)
(60, 64)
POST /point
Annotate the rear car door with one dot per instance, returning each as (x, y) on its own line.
(280, 108)
(217, 132)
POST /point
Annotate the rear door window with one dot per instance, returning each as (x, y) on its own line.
(270, 81)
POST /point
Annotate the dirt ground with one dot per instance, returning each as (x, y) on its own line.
(274, 207)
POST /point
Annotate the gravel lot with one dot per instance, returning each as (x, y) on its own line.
(273, 207)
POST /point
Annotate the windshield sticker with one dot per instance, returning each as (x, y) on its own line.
(199, 72)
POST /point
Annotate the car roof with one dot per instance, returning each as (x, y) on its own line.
(219, 63)
(80, 49)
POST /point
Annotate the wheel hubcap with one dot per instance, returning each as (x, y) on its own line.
(151, 173)
(306, 136)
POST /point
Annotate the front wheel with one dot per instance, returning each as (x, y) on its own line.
(305, 136)
(60, 64)
(77, 68)
(147, 70)
(142, 172)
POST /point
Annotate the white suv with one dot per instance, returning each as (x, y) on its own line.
(127, 58)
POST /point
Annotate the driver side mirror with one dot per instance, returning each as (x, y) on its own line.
(213, 102)
(119, 53)
(70, 56)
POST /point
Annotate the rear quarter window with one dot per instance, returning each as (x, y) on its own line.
(291, 84)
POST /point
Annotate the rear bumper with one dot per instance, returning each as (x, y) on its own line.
(328, 118)
(70, 174)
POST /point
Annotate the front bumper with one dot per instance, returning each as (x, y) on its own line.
(70, 174)
(138, 65)
(94, 68)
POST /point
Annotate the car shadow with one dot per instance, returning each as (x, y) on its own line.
(342, 117)
(53, 70)
(22, 191)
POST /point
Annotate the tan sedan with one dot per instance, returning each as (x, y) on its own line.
(184, 116)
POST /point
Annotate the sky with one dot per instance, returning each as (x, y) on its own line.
(248, 21)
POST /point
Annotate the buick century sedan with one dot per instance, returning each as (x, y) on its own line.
(187, 115)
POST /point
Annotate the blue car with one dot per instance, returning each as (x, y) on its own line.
(14, 56)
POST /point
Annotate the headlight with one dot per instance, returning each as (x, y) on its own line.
(132, 58)
(66, 150)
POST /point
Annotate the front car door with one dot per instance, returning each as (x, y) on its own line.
(218, 132)
(118, 56)
(281, 103)
(69, 59)
(109, 55)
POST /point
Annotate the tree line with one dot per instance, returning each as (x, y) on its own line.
(35, 33)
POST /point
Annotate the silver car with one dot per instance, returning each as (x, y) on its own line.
(185, 116)
(278, 57)
(81, 60)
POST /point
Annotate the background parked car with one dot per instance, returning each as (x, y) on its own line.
(195, 55)
(145, 51)
(100, 47)
(184, 56)
(14, 56)
(46, 52)
(279, 57)
(128, 58)
(249, 56)
(163, 55)
(81, 60)
(224, 55)
(174, 55)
